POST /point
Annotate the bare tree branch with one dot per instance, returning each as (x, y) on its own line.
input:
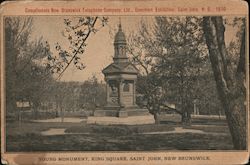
(89, 32)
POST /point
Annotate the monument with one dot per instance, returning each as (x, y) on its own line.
(120, 77)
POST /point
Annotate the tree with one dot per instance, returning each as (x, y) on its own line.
(92, 93)
(65, 96)
(172, 50)
(140, 47)
(22, 56)
(229, 81)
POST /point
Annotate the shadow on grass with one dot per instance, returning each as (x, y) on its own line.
(119, 129)
(106, 142)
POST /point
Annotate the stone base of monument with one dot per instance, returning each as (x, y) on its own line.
(130, 120)
(122, 112)
(128, 116)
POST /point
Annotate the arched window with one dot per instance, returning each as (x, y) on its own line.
(113, 89)
(126, 87)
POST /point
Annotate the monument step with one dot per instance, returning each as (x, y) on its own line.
(131, 120)
(121, 113)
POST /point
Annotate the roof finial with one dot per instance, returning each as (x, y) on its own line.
(120, 25)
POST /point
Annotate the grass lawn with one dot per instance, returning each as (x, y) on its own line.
(27, 137)
(109, 142)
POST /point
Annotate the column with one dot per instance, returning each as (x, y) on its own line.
(107, 91)
(122, 112)
(120, 92)
(195, 112)
(134, 92)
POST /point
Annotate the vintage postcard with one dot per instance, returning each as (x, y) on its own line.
(124, 82)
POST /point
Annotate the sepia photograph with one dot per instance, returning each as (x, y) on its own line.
(124, 83)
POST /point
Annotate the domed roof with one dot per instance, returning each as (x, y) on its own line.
(120, 36)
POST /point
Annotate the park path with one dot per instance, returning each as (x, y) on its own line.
(183, 130)
(59, 119)
(54, 131)
(58, 131)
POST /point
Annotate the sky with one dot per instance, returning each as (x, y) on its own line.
(99, 51)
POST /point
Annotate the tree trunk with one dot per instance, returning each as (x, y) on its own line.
(35, 109)
(186, 113)
(156, 117)
(183, 118)
(62, 113)
(186, 118)
(230, 88)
